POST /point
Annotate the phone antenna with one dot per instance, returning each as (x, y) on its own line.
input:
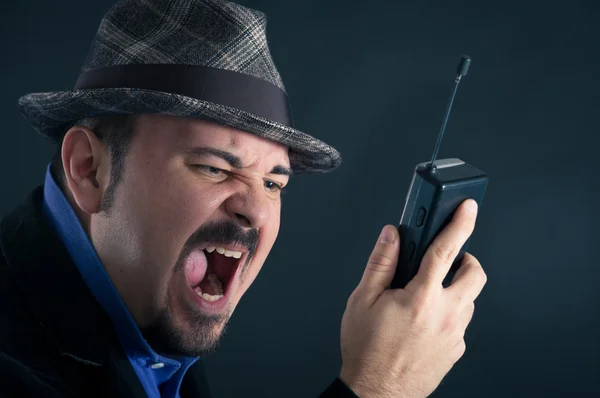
(463, 68)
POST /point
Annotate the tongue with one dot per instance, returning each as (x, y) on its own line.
(195, 267)
(211, 285)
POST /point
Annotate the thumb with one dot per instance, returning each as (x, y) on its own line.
(381, 266)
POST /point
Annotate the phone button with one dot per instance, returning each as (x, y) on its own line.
(421, 216)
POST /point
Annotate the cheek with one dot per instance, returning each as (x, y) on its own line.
(164, 210)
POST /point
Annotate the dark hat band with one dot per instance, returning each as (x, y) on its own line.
(220, 86)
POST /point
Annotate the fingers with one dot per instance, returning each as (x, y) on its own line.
(445, 247)
(381, 265)
(469, 280)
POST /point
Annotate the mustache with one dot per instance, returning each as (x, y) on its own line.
(222, 232)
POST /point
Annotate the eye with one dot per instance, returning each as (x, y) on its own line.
(210, 170)
(273, 186)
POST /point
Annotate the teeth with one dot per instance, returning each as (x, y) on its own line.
(209, 297)
(225, 252)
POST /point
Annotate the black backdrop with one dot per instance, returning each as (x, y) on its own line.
(372, 78)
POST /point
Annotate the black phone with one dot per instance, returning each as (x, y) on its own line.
(437, 189)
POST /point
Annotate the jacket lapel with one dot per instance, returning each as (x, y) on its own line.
(59, 298)
(194, 383)
(62, 303)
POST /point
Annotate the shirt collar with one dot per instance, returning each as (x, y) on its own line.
(63, 218)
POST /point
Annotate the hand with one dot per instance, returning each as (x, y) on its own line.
(402, 342)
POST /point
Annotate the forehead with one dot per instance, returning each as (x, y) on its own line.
(178, 133)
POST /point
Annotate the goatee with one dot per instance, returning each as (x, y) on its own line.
(203, 336)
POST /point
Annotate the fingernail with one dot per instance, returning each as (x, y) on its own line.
(471, 206)
(387, 235)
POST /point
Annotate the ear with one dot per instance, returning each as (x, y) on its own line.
(86, 166)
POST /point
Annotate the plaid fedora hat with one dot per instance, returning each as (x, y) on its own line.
(205, 59)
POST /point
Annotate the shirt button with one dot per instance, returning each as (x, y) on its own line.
(157, 365)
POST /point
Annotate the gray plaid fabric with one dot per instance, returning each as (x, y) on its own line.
(208, 33)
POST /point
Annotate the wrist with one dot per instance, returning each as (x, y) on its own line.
(366, 390)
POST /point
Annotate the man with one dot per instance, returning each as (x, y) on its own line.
(162, 204)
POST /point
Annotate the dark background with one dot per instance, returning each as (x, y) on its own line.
(372, 78)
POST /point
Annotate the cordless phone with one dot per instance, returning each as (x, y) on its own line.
(437, 188)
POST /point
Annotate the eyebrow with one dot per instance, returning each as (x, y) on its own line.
(234, 161)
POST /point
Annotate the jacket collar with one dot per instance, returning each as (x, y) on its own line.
(57, 294)
(62, 303)
(58, 297)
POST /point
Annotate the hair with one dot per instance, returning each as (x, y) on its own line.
(116, 132)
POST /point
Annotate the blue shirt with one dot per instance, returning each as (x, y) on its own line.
(156, 373)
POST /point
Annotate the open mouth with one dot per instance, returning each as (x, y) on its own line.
(212, 270)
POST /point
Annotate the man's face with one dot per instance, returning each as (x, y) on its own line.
(177, 200)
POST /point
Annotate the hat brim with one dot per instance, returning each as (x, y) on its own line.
(52, 113)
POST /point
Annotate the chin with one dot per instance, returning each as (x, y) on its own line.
(207, 282)
(193, 334)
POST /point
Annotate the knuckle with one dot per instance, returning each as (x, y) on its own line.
(461, 348)
(450, 322)
(420, 307)
(352, 299)
(470, 260)
(482, 277)
(445, 252)
(478, 276)
(379, 261)
(468, 317)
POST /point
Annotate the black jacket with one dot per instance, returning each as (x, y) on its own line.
(55, 339)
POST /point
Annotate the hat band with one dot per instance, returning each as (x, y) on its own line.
(220, 86)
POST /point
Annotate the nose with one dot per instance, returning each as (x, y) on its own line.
(249, 206)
